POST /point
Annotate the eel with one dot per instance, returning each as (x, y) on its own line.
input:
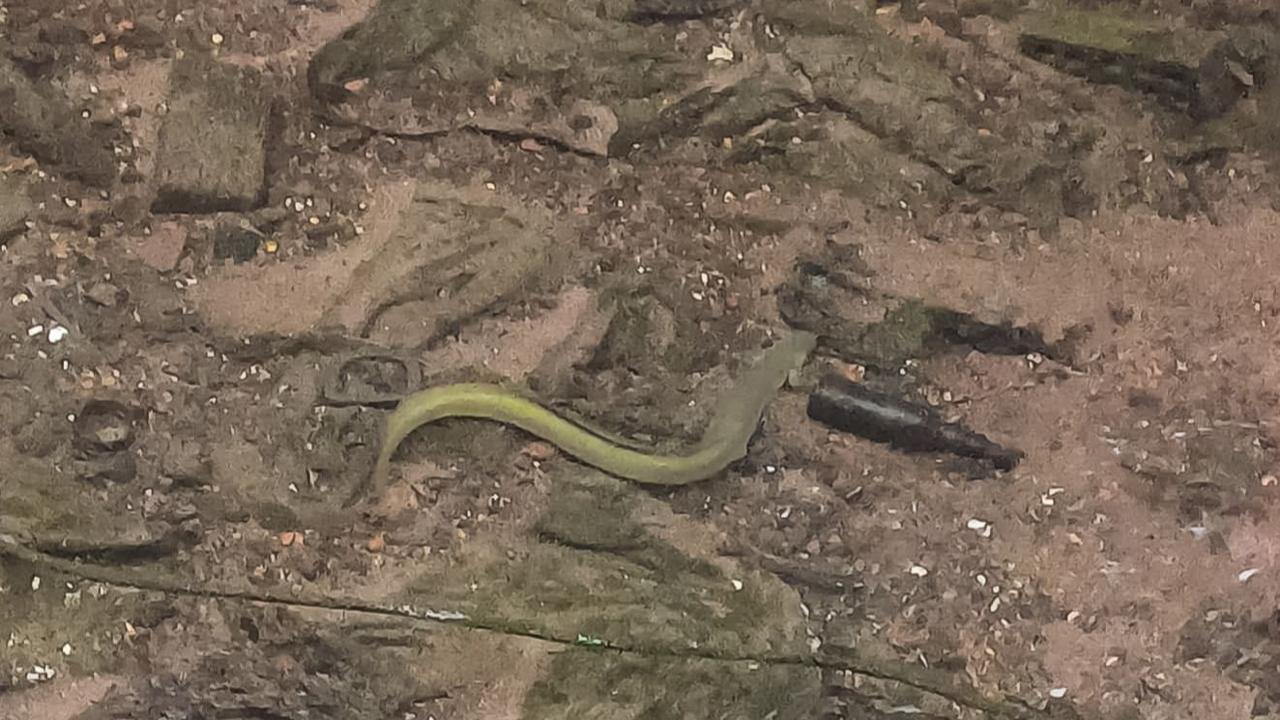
(732, 424)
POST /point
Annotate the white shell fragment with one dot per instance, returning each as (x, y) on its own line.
(720, 52)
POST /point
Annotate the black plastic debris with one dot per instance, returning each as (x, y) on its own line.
(853, 408)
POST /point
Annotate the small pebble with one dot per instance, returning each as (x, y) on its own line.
(103, 293)
(720, 53)
(539, 451)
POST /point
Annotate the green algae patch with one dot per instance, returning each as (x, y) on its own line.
(609, 563)
(58, 625)
(1116, 31)
(603, 685)
(49, 510)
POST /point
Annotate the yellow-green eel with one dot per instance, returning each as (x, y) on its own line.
(725, 440)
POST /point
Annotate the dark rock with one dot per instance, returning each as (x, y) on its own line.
(103, 426)
(146, 36)
(1236, 68)
(117, 468)
(186, 462)
(104, 294)
(682, 9)
(237, 243)
(45, 124)
(130, 210)
(268, 218)
(212, 150)
(15, 206)
(643, 328)
(62, 31)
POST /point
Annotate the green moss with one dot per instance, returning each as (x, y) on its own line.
(906, 332)
(591, 568)
(38, 623)
(599, 684)
(37, 503)
(1115, 30)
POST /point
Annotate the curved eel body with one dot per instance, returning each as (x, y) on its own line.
(725, 440)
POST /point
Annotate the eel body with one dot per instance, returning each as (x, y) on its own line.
(725, 440)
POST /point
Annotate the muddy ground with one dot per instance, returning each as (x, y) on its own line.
(234, 233)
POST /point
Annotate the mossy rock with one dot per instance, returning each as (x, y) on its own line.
(599, 563)
(607, 686)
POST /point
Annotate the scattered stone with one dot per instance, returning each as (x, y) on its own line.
(162, 248)
(15, 206)
(268, 218)
(682, 9)
(185, 462)
(104, 294)
(103, 426)
(130, 210)
(212, 150)
(45, 124)
(114, 468)
(144, 35)
(239, 244)
(119, 57)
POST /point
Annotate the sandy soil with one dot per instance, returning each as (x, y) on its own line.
(192, 417)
